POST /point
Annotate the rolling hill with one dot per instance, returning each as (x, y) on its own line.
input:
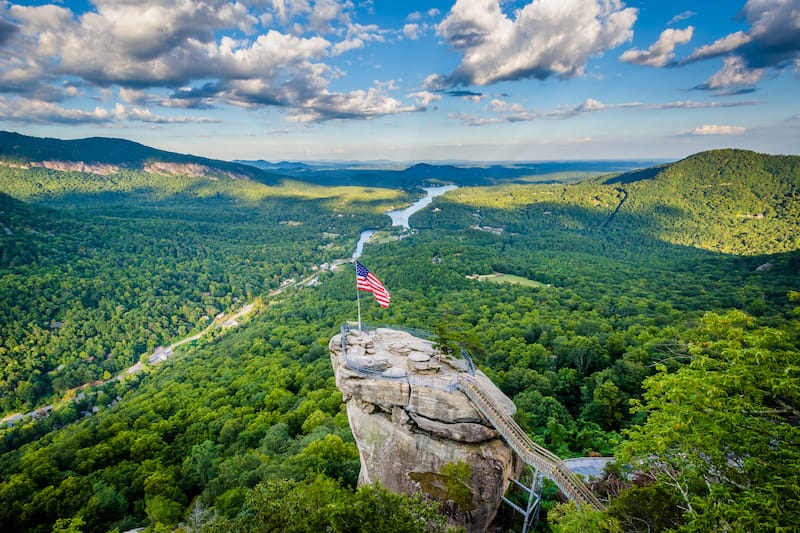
(388, 174)
(645, 287)
(731, 201)
(101, 155)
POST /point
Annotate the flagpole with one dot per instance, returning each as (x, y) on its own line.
(358, 299)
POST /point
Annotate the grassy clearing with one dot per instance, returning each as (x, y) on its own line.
(499, 277)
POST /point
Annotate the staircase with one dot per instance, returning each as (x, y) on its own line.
(538, 457)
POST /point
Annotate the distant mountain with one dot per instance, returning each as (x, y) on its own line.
(280, 166)
(714, 165)
(102, 155)
(723, 200)
(387, 174)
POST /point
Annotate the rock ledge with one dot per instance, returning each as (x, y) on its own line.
(409, 421)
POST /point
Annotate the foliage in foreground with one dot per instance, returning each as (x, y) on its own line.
(720, 450)
(321, 504)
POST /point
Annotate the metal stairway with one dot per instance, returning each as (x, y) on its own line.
(546, 462)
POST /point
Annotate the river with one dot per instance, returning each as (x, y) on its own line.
(400, 216)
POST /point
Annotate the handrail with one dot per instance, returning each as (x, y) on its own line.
(549, 464)
(345, 328)
(540, 458)
(421, 381)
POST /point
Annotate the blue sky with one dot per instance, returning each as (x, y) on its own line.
(405, 80)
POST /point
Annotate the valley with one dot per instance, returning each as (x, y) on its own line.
(614, 308)
(222, 320)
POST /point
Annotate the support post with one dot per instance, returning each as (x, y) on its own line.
(358, 299)
(530, 515)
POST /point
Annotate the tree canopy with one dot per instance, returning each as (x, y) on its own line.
(646, 291)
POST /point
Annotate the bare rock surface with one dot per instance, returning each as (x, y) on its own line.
(410, 421)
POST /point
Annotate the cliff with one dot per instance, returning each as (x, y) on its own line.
(415, 431)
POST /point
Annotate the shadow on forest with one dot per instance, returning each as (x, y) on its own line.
(571, 240)
(636, 175)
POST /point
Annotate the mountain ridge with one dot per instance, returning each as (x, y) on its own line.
(726, 160)
(107, 155)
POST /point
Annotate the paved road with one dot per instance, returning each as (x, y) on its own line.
(588, 467)
(162, 353)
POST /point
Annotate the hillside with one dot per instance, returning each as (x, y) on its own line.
(731, 201)
(103, 156)
(244, 430)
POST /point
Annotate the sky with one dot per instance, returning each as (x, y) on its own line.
(470, 80)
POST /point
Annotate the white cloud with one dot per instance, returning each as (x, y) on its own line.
(325, 13)
(140, 114)
(662, 52)
(411, 31)
(434, 82)
(424, 98)
(366, 32)
(715, 129)
(516, 113)
(357, 104)
(34, 111)
(734, 73)
(593, 105)
(138, 45)
(681, 16)
(719, 47)
(471, 120)
(345, 46)
(418, 15)
(546, 38)
(772, 43)
(501, 106)
(137, 96)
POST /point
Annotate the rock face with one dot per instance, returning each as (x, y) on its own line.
(415, 431)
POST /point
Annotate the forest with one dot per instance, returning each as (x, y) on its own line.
(663, 330)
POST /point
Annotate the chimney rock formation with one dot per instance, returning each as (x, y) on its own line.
(415, 431)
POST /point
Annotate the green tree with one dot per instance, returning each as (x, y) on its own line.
(163, 510)
(332, 457)
(571, 518)
(69, 525)
(202, 463)
(716, 427)
(106, 505)
(457, 479)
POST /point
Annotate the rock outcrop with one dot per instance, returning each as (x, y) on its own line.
(415, 431)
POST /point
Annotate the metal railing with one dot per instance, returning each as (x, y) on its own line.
(546, 462)
(366, 328)
(538, 457)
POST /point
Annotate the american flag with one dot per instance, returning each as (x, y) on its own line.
(366, 281)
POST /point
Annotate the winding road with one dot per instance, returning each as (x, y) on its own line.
(161, 353)
(623, 195)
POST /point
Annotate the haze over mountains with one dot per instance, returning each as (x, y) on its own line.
(672, 196)
(395, 174)
(106, 155)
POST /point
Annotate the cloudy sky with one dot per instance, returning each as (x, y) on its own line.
(407, 80)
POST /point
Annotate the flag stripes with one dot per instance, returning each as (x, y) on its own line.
(366, 281)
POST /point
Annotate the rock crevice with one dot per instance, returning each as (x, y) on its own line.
(410, 422)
